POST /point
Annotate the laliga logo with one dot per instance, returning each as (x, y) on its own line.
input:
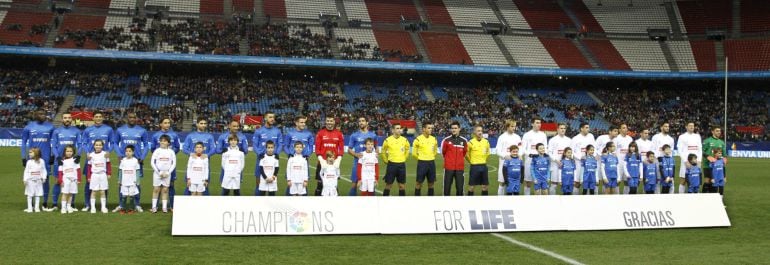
(299, 222)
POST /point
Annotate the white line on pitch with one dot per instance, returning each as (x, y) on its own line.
(537, 249)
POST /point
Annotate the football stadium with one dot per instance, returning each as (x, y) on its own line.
(380, 131)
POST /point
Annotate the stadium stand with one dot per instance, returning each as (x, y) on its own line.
(565, 54)
(470, 13)
(437, 13)
(528, 51)
(356, 9)
(752, 55)
(122, 4)
(391, 11)
(754, 16)
(612, 34)
(482, 49)
(309, 9)
(357, 44)
(274, 8)
(642, 55)
(543, 15)
(684, 56)
(24, 28)
(445, 48)
(76, 31)
(705, 55)
(699, 16)
(619, 17)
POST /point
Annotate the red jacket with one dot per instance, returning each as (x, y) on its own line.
(454, 148)
(327, 140)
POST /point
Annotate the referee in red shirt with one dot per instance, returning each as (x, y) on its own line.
(454, 148)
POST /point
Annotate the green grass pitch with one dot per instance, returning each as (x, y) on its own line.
(146, 238)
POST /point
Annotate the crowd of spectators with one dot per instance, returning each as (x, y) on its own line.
(26, 90)
(286, 40)
(199, 37)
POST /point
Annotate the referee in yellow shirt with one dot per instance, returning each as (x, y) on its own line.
(425, 150)
(395, 150)
(478, 151)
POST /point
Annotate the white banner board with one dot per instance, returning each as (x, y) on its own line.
(218, 215)
(646, 211)
(415, 215)
(225, 215)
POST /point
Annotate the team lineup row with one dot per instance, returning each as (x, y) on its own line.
(533, 160)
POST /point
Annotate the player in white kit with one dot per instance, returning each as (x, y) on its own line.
(505, 141)
(34, 175)
(269, 169)
(688, 143)
(556, 146)
(330, 175)
(529, 142)
(297, 172)
(621, 149)
(101, 171)
(130, 172)
(579, 144)
(232, 167)
(69, 177)
(644, 143)
(163, 163)
(368, 169)
(198, 171)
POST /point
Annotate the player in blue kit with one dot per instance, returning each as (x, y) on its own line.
(590, 167)
(356, 148)
(133, 134)
(37, 134)
(667, 169)
(209, 145)
(651, 172)
(299, 134)
(718, 172)
(267, 133)
(541, 163)
(61, 137)
(693, 174)
(567, 169)
(633, 168)
(609, 169)
(97, 131)
(512, 170)
(174, 144)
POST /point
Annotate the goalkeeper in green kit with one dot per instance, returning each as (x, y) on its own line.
(709, 145)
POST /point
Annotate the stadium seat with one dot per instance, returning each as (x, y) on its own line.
(528, 51)
(565, 53)
(26, 20)
(705, 54)
(543, 15)
(391, 11)
(698, 16)
(619, 17)
(445, 48)
(470, 13)
(73, 22)
(309, 9)
(642, 55)
(482, 49)
(437, 13)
